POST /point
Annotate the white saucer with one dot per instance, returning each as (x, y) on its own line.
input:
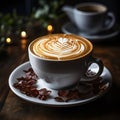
(70, 28)
(18, 72)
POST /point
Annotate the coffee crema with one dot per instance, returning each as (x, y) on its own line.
(92, 8)
(60, 47)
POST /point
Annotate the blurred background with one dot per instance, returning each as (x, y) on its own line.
(37, 15)
(25, 7)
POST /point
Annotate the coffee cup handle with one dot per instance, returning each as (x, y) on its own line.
(89, 75)
(109, 21)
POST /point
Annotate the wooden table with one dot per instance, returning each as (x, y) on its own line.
(105, 108)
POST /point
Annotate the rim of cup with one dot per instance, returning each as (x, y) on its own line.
(45, 59)
(102, 8)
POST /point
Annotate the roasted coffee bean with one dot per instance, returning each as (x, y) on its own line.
(27, 85)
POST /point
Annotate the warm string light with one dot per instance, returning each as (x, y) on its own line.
(8, 40)
(50, 29)
(23, 34)
(23, 40)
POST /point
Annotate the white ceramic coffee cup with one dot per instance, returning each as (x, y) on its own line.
(90, 18)
(58, 74)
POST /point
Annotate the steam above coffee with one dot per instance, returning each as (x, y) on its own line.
(60, 47)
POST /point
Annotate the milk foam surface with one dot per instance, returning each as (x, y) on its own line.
(60, 47)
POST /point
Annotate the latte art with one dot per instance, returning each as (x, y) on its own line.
(62, 47)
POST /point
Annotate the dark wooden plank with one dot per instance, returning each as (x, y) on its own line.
(14, 58)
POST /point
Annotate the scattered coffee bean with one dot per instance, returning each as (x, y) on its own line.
(27, 85)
